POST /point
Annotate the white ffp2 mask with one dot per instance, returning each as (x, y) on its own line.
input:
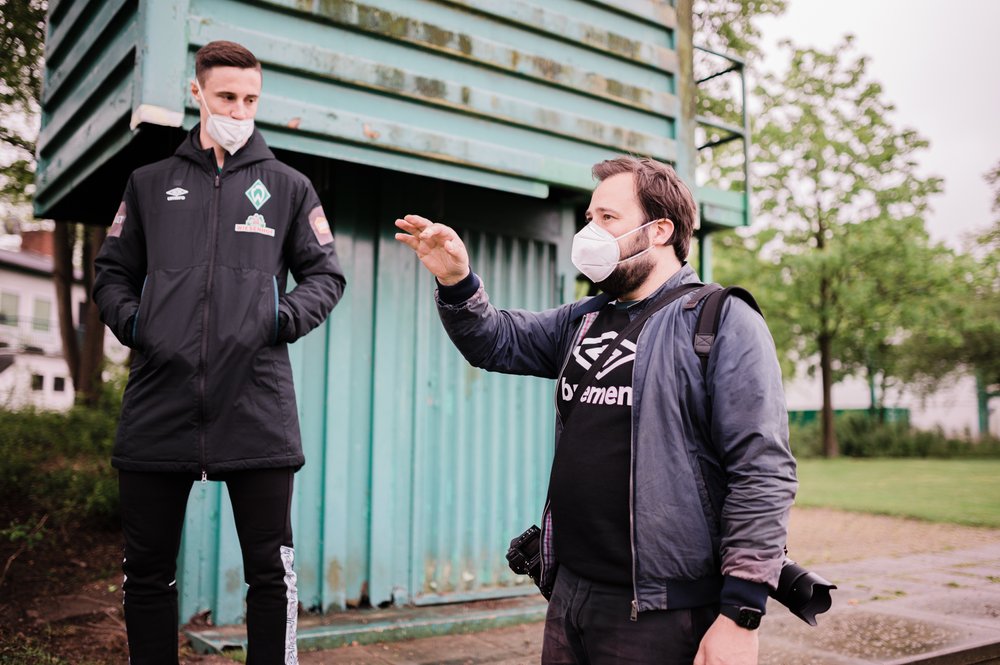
(229, 133)
(596, 253)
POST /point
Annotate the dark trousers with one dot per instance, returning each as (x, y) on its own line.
(589, 623)
(152, 507)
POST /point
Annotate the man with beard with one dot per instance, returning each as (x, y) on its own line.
(671, 485)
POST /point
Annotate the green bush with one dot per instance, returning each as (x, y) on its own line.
(59, 463)
(861, 435)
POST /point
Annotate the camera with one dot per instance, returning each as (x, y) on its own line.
(803, 592)
(524, 556)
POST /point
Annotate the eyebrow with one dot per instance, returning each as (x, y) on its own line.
(611, 210)
(234, 94)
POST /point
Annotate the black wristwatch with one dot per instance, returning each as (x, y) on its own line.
(745, 617)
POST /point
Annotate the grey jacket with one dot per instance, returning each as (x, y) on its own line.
(713, 478)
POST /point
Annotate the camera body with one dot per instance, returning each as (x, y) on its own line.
(803, 592)
(524, 556)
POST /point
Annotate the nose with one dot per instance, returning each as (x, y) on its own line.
(239, 111)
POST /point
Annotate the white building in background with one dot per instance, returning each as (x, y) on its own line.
(33, 371)
(953, 408)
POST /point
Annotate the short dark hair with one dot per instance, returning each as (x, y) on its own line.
(661, 193)
(223, 54)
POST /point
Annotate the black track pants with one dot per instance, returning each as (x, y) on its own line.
(152, 506)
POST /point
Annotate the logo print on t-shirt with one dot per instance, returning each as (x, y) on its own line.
(591, 348)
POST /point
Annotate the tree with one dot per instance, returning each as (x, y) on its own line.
(838, 183)
(963, 333)
(22, 35)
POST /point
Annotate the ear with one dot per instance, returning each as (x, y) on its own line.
(663, 231)
(194, 91)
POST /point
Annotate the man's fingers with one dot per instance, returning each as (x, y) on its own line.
(417, 221)
(408, 240)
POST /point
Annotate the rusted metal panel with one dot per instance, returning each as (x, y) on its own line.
(515, 96)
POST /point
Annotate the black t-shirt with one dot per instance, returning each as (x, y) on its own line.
(589, 487)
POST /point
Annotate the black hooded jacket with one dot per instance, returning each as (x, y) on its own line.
(193, 277)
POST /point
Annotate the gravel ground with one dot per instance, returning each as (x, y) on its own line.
(821, 535)
(817, 537)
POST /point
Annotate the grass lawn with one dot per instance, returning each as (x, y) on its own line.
(955, 491)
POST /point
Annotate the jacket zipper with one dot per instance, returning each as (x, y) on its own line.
(204, 324)
(634, 615)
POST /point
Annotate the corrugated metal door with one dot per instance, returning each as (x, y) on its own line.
(420, 469)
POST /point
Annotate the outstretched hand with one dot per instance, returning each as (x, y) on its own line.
(437, 246)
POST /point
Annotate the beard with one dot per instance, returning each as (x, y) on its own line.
(631, 273)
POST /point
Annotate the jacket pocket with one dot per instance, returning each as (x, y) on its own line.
(711, 487)
(134, 332)
(274, 337)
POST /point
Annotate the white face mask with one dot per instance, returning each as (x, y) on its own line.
(596, 253)
(229, 133)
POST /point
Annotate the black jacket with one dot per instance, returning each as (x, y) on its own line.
(192, 276)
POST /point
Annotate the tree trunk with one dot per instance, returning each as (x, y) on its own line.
(92, 353)
(830, 447)
(85, 360)
(64, 240)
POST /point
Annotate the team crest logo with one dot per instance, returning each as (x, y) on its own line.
(258, 194)
(176, 194)
(255, 224)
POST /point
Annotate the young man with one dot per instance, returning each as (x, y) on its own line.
(670, 486)
(192, 277)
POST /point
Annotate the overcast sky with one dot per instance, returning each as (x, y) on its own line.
(939, 64)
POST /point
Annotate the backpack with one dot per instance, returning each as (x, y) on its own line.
(707, 326)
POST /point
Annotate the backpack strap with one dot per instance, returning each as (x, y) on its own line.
(707, 326)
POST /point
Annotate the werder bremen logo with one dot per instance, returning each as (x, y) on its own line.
(258, 194)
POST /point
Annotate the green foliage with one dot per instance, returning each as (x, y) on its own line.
(24, 650)
(28, 533)
(730, 27)
(22, 36)
(862, 436)
(938, 490)
(845, 260)
(59, 463)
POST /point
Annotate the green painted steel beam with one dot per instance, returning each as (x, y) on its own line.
(656, 12)
(449, 95)
(83, 153)
(540, 19)
(160, 64)
(374, 627)
(722, 208)
(90, 28)
(80, 98)
(485, 52)
(281, 137)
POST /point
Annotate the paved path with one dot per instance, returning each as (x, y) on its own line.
(905, 588)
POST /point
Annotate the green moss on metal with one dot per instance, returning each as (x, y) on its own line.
(434, 88)
(625, 91)
(549, 69)
(334, 574)
(390, 77)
